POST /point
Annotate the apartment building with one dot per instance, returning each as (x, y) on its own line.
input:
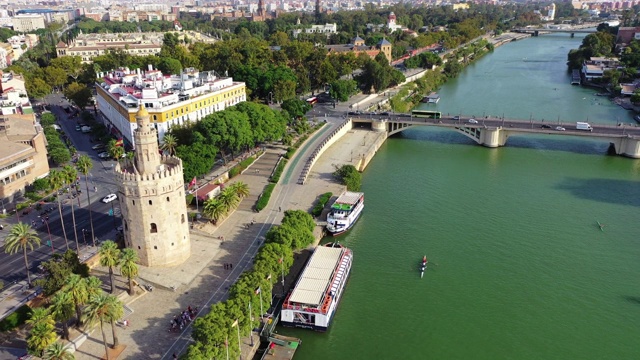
(27, 23)
(169, 99)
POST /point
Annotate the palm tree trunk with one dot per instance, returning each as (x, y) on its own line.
(78, 315)
(75, 230)
(64, 231)
(104, 340)
(65, 330)
(115, 337)
(111, 278)
(26, 265)
(131, 286)
(86, 182)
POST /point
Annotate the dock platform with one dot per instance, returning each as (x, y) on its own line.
(281, 347)
(575, 77)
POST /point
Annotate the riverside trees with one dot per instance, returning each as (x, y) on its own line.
(216, 333)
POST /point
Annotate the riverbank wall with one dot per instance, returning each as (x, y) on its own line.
(507, 38)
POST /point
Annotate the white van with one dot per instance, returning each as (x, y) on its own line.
(583, 126)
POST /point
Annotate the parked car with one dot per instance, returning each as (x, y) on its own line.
(104, 155)
(98, 147)
(473, 121)
(109, 198)
(78, 127)
(560, 128)
(456, 117)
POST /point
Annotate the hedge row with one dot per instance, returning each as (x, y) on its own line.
(242, 165)
(279, 169)
(263, 201)
(322, 202)
(16, 319)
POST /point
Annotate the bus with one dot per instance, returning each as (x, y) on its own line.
(312, 100)
(426, 114)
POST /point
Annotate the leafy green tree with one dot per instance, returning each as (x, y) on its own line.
(349, 176)
(110, 257)
(341, 90)
(114, 150)
(56, 182)
(55, 77)
(20, 237)
(295, 107)
(37, 88)
(79, 94)
(197, 158)
(116, 311)
(635, 98)
(47, 119)
(59, 155)
(284, 90)
(57, 351)
(170, 66)
(128, 266)
(71, 65)
(58, 269)
(240, 188)
(84, 166)
(62, 310)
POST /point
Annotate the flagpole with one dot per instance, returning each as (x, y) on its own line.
(226, 343)
(282, 268)
(261, 312)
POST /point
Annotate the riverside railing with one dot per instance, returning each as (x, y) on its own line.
(314, 155)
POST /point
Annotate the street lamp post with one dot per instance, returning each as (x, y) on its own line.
(114, 215)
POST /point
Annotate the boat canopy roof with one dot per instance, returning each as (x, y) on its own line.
(347, 200)
(315, 278)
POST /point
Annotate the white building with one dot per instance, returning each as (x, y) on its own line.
(169, 99)
(27, 23)
(327, 29)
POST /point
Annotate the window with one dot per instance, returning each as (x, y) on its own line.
(168, 199)
(138, 247)
(154, 228)
(126, 227)
(150, 202)
(182, 218)
(133, 201)
(155, 247)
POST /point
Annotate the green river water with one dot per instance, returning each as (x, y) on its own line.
(519, 268)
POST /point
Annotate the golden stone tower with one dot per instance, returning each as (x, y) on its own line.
(152, 200)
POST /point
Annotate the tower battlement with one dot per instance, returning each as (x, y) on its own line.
(171, 166)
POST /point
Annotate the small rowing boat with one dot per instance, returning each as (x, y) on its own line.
(423, 266)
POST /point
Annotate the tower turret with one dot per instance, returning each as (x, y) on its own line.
(145, 137)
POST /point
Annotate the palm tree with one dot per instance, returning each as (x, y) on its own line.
(56, 182)
(57, 351)
(93, 286)
(62, 310)
(128, 266)
(116, 311)
(169, 144)
(214, 209)
(229, 198)
(21, 236)
(110, 256)
(71, 174)
(116, 151)
(42, 333)
(240, 188)
(84, 166)
(98, 309)
(77, 289)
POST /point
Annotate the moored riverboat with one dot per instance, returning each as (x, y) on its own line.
(314, 300)
(345, 211)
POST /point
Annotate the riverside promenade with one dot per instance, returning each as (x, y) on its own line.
(202, 280)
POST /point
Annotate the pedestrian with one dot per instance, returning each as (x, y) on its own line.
(279, 209)
(230, 266)
(225, 266)
(125, 323)
(175, 356)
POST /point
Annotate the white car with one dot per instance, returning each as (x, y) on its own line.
(98, 146)
(560, 128)
(109, 198)
(473, 121)
(104, 155)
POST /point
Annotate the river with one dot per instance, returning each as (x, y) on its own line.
(519, 268)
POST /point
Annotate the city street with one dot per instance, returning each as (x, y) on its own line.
(12, 266)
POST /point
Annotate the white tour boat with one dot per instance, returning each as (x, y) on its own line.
(314, 300)
(344, 212)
